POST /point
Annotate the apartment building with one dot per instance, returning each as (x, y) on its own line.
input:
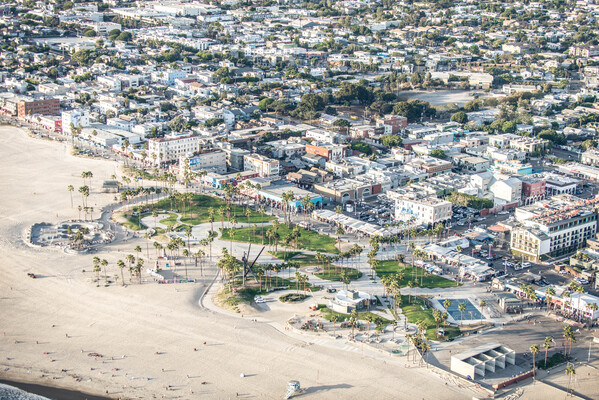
(554, 227)
(264, 166)
(43, 106)
(212, 160)
(171, 148)
(590, 157)
(424, 210)
(331, 152)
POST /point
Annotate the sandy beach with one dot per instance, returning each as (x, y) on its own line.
(146, 334)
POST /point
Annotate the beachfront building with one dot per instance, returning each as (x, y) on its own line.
(553, 227)
(423, 210)
(172, 147)
(74, 118)
(264, 166)
(344, 190)
(41, 105)
(212, 160)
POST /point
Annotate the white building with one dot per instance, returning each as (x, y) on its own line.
(507, 191)
(264, 166)
(208, 160)
(426, 210)
(172, 147)
(554, 227)
(76, 117)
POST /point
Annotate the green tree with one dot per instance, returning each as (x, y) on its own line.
(460, 117)
(438, 153)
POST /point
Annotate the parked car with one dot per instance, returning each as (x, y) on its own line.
(526, 265)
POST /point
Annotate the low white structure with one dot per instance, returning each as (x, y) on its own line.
(346, 301)
(481, 359)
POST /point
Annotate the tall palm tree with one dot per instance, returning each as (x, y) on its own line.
(138, 251)
(580, 292)
(591, 308)
(70, 188)
(547, 345)
(121, 265)
(550, 292)
(462, 308)
(104, 263)
(534, 350)
(339, 232)
(570, 371)
(482, 303)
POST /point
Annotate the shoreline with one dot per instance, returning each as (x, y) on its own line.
(52, 392)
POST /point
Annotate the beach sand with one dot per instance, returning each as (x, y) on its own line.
(147, 333)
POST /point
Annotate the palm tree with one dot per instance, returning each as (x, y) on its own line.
(547, 345)
(353, 320)
(534, 350)
(462, 308)
(550, 292)
(591, 308)
(345, 277)
(138, 251)
(580, 292)
(447, 304)
(482, 303)
(121, 265)
(339, 232)
(410, 285)
(262, 211)
(334, 319)
(570, 371)
(104, 263)
(97, 269)
(70, 188)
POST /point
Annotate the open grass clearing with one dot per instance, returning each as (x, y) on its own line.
(308, 240)
(430, 281)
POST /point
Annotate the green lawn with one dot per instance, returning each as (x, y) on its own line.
(309, 240)
(380, 322)
(390, 267)
(132, 222)
(414, 313)
(199, 210)
(331, 273)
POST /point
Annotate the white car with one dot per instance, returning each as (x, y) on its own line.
(563, 272)
(526, 265)
(259, 299)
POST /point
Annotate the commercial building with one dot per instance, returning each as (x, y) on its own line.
(590, 157)
(580, 171)
(344, 190)
(424, 210)
(235, 158)
(332, 152)
(533, 189)
(76, 118)
(42, 106)
(554, 227)
(213, 160)
(264, 166)
(171, 148)
(274, 196)
(508, 191)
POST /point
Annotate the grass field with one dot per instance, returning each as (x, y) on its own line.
(380, 322)
(390, 267)
(198, 211)
(309, 240)
(414, 312)
(331, 274)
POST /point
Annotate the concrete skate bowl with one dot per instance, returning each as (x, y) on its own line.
(72, 236)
